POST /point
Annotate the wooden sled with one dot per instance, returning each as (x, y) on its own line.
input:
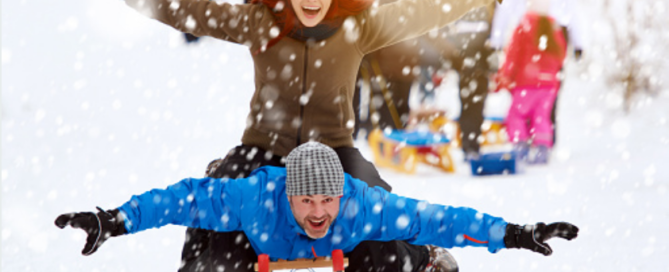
(337, 262)
(402, 151)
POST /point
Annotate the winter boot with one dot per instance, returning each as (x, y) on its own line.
(440, 260)
(543, 152)
(471, 155)
(522, 149)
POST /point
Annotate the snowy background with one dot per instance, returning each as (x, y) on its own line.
(99, 103)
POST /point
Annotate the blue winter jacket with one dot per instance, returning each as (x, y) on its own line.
(258, 205)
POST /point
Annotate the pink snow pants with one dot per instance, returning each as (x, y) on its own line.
(533, 104)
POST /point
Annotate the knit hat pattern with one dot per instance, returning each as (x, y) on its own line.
(314, 169)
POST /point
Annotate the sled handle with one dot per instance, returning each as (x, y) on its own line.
(263, 263)
(338, 263)
(338, 260)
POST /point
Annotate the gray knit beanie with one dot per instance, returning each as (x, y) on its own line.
(314, 169)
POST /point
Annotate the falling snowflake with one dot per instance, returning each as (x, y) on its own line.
(402, 222)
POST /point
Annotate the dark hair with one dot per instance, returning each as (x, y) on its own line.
(546, 27)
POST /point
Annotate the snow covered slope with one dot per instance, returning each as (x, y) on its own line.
(99, 103)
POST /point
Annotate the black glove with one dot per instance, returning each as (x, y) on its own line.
(533, 237)
(578, 53)
(99, 227)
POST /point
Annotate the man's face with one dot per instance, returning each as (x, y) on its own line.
(311, 12)
(314, 213)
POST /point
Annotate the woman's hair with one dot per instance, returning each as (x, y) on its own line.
(546, 28)
(287, 19)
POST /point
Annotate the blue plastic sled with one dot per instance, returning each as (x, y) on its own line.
(494, 164)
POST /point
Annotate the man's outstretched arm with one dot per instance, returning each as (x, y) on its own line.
(391, 217)
(198, 203)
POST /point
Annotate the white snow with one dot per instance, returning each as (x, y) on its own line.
(99, 103)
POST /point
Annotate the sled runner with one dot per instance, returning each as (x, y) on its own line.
(403, 150)
(337, 262)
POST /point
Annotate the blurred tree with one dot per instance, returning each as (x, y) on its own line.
(639, 35)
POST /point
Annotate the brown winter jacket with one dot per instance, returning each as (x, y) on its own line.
(304, 91)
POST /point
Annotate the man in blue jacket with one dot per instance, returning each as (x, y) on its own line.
(308, 209)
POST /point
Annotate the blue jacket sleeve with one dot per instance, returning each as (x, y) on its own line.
(391, 217)
(199, 203)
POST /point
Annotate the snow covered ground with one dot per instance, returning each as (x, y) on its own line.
(99, 103)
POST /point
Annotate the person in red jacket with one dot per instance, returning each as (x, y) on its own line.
(531, 73)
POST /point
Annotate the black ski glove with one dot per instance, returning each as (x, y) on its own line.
(534, 237)
(578, 53)
(99, 227)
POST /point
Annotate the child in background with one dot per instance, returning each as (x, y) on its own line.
(530, 71)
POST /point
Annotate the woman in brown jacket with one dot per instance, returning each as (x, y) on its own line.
(306, 55)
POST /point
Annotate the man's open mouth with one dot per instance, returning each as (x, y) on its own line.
(316, 223)
(311, 11)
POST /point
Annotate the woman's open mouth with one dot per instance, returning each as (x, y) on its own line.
(311, 12)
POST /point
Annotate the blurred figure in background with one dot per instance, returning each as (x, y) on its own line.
(530, 71)
(384, 83)
(564, 12)
(386, 78)
(461, 46)
(470, 35)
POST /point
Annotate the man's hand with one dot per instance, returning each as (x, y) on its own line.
(534, 237)
(99, 227)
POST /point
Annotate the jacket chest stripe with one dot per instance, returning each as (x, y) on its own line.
(314, 252)
(474, 240)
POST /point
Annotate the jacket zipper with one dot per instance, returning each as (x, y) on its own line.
(304, 89)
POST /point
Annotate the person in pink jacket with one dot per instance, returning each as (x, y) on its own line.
(531, 73)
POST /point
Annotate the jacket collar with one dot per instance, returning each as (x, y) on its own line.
(317, 33)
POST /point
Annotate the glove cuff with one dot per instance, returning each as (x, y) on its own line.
(512, 235)
(120, 224)
(114, 221)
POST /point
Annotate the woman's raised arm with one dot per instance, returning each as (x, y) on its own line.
(406, 19)
(241, 24)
